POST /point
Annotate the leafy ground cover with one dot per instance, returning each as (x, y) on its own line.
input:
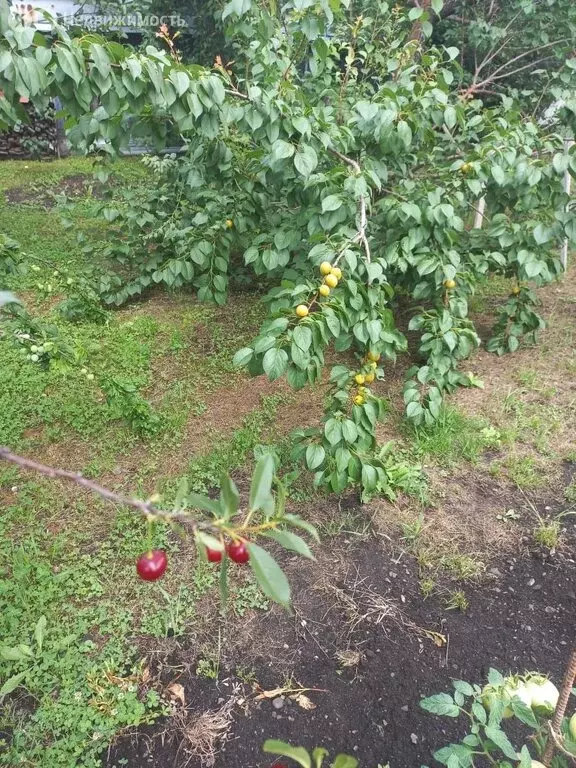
(404, 589)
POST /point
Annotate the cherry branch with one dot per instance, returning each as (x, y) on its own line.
(145, 508)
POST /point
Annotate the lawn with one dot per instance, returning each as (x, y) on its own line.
(472, 565)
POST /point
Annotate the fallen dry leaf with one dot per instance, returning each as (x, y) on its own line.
(271, 694)
(177, 692)
(303, 701)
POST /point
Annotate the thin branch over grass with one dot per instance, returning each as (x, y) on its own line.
(146, 508)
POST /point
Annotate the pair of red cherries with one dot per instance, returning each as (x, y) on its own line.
(152, 565)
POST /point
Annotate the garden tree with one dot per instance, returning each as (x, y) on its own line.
(201, 38)
(341, 157)
(516, 45)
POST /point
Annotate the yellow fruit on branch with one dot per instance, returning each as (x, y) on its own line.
(324, 290)
(373, 364)
(331, 281)
(337, 272)
(449, 284)
(325, 268)
(302, 310)
(359, 400)
(466, 168)
(359, 378)
(373, 356)
(229, 223)
(369, 377)
(516, 290)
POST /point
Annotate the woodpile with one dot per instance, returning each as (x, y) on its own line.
(36, 138)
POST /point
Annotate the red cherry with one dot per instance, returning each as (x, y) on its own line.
(151, 565)
(238, 552)
(213, 555)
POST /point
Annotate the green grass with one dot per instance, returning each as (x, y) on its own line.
(68, 556)
(40, 174)
(453, 437)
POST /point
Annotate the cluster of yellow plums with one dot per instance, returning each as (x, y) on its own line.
(332, 275)
(365, 376)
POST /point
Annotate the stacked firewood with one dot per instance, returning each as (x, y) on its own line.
(38, 137)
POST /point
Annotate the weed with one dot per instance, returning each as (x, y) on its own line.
(344, 522)
(427, 587)
(248, 597)
(208, 667)
(570, 491)
(462, 567)
(547, 533)
(523, 471)
(246, 674)
(454, 436)
(412, 531)
(456, 601)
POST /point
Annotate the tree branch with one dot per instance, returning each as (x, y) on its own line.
(360, 236)
(145, 508)
(238, 94)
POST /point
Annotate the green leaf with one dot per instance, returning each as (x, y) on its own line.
(275, 363)
(12, 653)
(68, 63)
(302, 337)
(479, 712)
(404, 130)
(560, 162)
(541, 234)
(229, 496)
(437, 5)
(282, 149)
(525, 758)
(198, 501)
(181, 497)
(206, 540)
(269, 575)
(463, 687)
(349, 431)
(39, 632)
(261, 486)
(12, 683)
(523, 713)
(345, 761)
(298, 754)
(450, 114)
(304, 524)
(333, 431)
(305, 160)
(495, 677)
(502, 741)
(180, 81)
(440, 704)
(315, 455)
(291, 541)
(331, 203)
(498, 175)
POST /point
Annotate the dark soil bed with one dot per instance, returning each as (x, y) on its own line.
(45, 197)
(367, 600)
